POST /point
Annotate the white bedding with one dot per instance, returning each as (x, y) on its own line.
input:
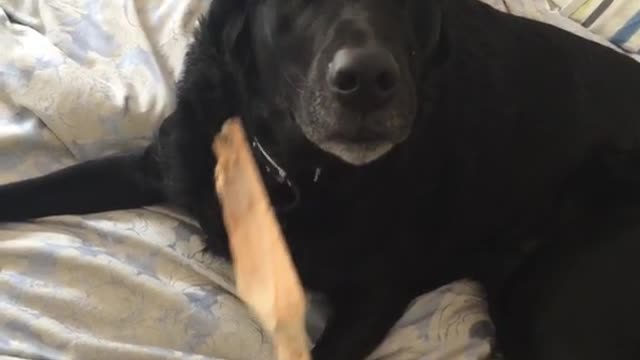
(83, 78)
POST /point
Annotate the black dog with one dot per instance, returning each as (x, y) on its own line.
(407, 144)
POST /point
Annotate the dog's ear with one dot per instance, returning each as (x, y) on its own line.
(218, 63)
(228, 26)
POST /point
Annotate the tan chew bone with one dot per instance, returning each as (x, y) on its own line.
(266, 277)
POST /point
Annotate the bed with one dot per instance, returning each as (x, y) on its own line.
(83, 78)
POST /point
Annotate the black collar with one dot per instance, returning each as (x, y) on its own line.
(276, 172)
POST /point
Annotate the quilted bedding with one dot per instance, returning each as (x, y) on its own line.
(83, 78)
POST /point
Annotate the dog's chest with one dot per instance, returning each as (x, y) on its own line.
(333, 229)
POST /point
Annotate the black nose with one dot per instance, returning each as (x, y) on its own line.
(363, 78)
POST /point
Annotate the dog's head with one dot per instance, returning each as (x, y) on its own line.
(345, 71)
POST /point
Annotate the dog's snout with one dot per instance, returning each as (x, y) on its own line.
(363, 78)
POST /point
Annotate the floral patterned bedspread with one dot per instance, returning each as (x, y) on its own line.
(83, 78)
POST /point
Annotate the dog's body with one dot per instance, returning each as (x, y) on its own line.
(510, 159)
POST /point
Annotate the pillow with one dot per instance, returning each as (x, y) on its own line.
(616, 20)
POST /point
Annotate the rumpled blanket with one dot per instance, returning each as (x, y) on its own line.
(81, 79)
(617, 21)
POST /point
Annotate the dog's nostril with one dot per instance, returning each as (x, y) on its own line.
(346, 81)
(386, 81)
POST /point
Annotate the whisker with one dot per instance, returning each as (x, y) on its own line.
(286, 77)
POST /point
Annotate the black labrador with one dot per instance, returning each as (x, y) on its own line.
(407, 144)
